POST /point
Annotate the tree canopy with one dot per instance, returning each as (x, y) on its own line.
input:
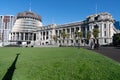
(116, 39)
(95, 32)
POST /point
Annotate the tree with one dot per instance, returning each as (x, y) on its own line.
(116, 40)
(88, 36)
(63, 34)
(75, 35)
(55, 37)
(95, 34)
(79, 35)
(67, 36)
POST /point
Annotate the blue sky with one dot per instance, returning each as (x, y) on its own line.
(61, 11)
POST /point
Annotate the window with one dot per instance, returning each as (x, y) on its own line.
(76, 41)
(26, 36)
(77, 28)
(63, 29)
(56, 31)
(47, 32)
(67, 41)
(59, 42)
(43, 38)
(105, 26)
(96, 26)
(47, 37)
(21, 36)
(43, 33)
(96, 18)
(104, 33)
(71, 41)
(105, 41)
(68, 30)
(88, 28)
(72, 29)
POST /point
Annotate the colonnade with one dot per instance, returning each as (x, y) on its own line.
(46, 36)
(22, 36)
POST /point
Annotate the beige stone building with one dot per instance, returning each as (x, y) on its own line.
(103, 21)
(28, 30)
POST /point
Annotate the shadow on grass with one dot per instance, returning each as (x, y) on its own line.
(10, 72)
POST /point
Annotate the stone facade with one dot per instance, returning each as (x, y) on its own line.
(23, 31)
(103, 21)
(28, 29)
(105, 24)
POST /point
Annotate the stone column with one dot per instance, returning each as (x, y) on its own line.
(99, 27)
(102, 32)
(92, 27)
(15, 36)
(19, 36)
(110, 30)
(45, 34)
(107, 30)
(80, 28)
(66, 37)
(42, 35)
(11, 36)
(74, 29)
(70, 33)
(29, 36)
(39, 35)
(32, 36)
(86, 31)
(23, 36)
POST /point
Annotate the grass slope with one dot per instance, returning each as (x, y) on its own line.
(58, 64)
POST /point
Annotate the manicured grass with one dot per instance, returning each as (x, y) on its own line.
(58, 64)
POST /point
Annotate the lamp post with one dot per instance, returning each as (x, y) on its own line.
(78, 38)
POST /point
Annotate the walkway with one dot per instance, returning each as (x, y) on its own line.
(111, 52)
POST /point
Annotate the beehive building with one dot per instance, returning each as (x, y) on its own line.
(25, 25)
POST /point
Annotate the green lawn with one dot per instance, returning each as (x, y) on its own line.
(58, 64)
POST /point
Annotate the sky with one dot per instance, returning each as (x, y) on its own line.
(61, 11)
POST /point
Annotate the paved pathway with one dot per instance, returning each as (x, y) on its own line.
(111, 52)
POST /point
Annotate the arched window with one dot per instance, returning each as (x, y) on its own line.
(104, 26)
(96, 26)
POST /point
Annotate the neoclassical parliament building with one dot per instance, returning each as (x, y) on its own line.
(28, 30)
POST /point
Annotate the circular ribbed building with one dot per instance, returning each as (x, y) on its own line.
(24, 27)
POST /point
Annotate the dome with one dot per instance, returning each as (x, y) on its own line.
(28, 14)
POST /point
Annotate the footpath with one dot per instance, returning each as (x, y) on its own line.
(111, 52)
